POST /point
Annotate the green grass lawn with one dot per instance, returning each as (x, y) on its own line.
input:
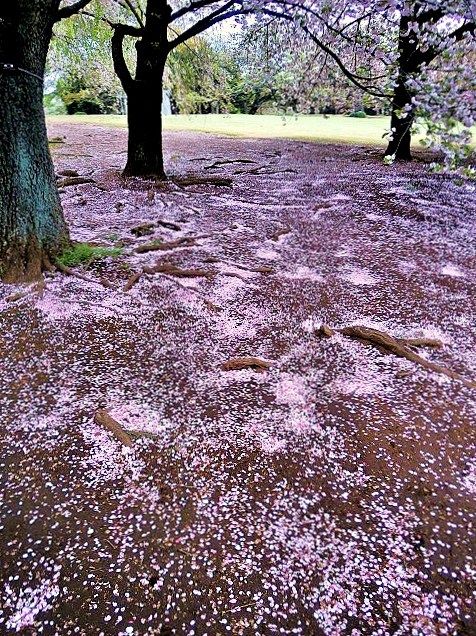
(331, 129)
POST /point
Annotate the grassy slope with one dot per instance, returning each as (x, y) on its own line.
(335, 128)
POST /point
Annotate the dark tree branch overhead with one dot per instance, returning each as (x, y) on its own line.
(205, 23)
(193, 6)
(71, 9)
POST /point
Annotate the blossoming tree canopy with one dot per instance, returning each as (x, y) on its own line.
(419, 55)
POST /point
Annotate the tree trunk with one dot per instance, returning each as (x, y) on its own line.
(144, 118)
(144, 91)
(400, 144)
(409, 62)
(32, 226)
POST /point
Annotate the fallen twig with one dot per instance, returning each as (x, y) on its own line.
(103, 418)
(399, 347)
(246, 362)
(239, 607)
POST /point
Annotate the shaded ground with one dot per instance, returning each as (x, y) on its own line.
(333, 494)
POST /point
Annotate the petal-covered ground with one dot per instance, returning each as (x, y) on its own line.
(333, 493)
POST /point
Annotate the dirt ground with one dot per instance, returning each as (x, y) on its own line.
(332, 494)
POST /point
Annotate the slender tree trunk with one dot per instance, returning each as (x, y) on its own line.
(144, 118)
(400, 144)
(408, 66)
(32, 227)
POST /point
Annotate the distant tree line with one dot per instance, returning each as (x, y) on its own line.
(201, 76)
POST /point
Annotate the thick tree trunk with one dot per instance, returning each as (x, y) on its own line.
(144, 91)
(144, 118)
(32, 227)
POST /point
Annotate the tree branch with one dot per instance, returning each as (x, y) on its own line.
(71, 9)
(128, 5)
(198, 4)
(458, 34)
(213, 18)
(120, 66)
(355, 79)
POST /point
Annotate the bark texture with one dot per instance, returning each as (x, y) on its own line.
(32, 226)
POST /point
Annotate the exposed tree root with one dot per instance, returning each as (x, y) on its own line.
(37, 288)
(162, 246)
(68, 173)
(136, 434)
(212, 306)
(421, 342)
(72, 181)
(233, 275)
(260, 269)
(276, 236)
(256, 170)
(247, 362)
(56, 140)
(70, 272)
(169, 225)
(132, 280)
(225, 162)
(214, 181)
(325, 331)
(173, 270)
(399, 347)
(144, 229)
(103, 418)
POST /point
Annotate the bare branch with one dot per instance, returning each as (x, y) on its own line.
(213, 18)
(193, 6)
(70, 9)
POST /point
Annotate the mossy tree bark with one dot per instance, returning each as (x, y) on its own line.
(32, 226)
